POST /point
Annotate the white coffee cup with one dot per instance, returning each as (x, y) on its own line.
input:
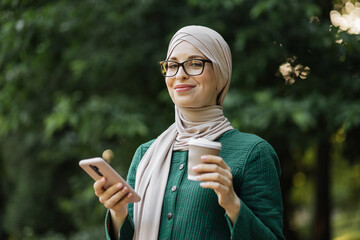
(197, 148)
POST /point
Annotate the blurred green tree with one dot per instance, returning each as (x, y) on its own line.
(79, 77)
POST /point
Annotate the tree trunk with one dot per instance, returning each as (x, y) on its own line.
(286, 185)
(322, 204)
(288, 169)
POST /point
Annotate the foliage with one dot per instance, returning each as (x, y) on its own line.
(79, 77)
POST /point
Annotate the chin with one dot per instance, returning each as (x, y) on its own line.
(181, 102)
(188, 105)
(191, 103)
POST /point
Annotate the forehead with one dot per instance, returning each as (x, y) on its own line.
(184, 51)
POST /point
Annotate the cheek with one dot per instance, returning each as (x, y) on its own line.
(209, 83)
(209, 77)
(169, 84)
(210, 88)
(211, 91)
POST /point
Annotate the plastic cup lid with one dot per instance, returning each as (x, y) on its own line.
(202, 142)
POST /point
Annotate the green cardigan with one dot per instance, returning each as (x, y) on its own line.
(192, 212)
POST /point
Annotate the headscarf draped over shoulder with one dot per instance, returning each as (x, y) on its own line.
(214, 47)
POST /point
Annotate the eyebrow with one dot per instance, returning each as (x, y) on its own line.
(190, 57)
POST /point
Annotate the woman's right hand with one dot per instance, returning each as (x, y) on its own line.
(115, 198)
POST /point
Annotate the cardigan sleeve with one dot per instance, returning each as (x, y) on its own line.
(126, 231)
(260, 215)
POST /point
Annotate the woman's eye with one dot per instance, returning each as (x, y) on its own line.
(172, 65)
(196, 64)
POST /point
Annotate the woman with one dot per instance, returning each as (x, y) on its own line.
(237, 195)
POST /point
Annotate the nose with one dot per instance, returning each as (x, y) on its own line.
(181, 74)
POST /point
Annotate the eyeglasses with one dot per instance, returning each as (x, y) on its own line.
(192, 67)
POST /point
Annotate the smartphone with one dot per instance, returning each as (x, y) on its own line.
(98, 168)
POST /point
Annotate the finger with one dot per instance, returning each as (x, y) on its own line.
(224, 194)
(215, 177)
(216, 160)
(121, 199)
(109, 192)
(216, 186)
(118, 199)
(209, 168)
(98, 186)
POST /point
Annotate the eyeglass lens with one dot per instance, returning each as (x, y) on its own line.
(191, 67)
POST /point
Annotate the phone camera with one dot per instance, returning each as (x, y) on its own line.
(96, 169)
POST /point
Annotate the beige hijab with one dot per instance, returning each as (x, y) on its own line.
(207, 122)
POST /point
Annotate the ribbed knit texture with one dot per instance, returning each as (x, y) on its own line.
(195, 212)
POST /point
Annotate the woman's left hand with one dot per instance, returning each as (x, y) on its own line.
(215, 174)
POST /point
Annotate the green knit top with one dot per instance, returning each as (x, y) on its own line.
(192, 212)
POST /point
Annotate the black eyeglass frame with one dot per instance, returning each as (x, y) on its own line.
(182, 65)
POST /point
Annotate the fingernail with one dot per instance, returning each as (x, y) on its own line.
(119, 185)
(198, 178)
(203, 157)
(195, 168)
(103, 180)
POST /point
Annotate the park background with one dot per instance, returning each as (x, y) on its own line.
(79, 77)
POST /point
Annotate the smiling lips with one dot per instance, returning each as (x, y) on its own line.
(183, 87)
